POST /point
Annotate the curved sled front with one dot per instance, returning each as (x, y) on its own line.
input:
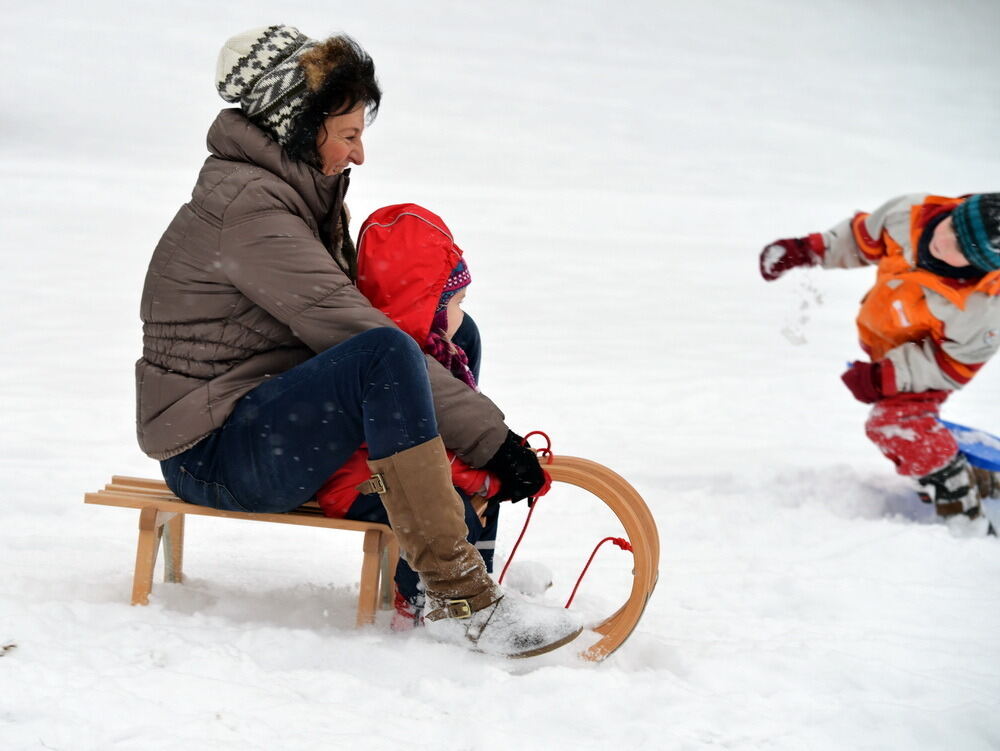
(640, 529)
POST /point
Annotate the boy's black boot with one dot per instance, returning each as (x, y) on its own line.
(956, 490)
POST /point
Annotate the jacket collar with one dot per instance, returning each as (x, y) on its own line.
(233, 137)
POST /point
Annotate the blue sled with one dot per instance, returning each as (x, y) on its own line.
(981, 448)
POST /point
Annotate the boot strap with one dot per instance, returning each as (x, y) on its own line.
(950, 509)
(374, 484)
(460, 609)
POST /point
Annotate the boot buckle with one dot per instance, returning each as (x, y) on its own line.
(458, 609)
(374, 484)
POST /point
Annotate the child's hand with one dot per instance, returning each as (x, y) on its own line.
(870, 381)
(782, 255)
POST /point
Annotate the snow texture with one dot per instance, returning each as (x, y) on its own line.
(772, 256)
(978, 436)
(612, 172)
(895, 431)
(531, 578)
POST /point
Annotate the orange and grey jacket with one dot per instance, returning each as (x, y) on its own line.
(937, 332)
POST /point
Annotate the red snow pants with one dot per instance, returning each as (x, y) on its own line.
(906, 429)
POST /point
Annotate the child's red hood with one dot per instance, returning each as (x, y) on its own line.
(405, 254)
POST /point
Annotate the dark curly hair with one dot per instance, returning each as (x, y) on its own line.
(340, 75)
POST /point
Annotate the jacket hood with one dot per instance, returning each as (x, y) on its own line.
(234, 138)
(405, 254)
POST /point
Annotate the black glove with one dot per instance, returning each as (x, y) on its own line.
(516, 466)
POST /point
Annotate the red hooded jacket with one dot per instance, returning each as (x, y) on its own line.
(405, 254)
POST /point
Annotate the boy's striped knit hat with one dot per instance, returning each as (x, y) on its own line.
(260, 69)
(977, 225)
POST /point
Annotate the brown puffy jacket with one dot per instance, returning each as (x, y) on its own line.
(251, 279)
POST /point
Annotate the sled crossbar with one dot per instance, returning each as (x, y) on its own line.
(161, 521)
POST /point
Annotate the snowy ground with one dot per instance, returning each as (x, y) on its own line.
(611, 170)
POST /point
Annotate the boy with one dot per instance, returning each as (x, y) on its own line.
(929, 323)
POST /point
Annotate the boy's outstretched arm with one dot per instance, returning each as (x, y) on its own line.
(856, 241)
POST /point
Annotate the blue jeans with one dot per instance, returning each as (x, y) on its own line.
(482, 534)
(287, 436)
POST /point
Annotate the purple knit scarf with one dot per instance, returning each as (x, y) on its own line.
(446, 352)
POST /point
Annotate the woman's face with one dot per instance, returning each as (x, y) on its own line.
(339, 141)
(455, 313)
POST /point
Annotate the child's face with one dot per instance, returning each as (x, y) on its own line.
(455, 313)
(944, 245)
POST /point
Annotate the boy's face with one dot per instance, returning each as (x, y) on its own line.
(455, 313)
(944, 245)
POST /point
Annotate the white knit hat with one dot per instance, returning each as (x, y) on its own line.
(260, 69)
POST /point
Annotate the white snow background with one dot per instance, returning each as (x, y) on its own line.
(611, 170)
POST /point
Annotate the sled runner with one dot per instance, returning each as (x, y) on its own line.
(981, 448)
(631, 510)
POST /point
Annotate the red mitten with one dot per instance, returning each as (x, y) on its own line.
(473, 481)
(782, 255)
(870, 381)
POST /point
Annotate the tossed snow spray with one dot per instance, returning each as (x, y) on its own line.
(805, 296)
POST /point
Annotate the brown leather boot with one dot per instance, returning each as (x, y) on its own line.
(428, 518)
(464, 606)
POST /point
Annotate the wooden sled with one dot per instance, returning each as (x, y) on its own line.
(161, 520)
(640, 528)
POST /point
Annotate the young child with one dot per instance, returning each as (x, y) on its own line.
(929, 323)
(410, 268)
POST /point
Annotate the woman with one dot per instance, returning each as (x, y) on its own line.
(264, 368)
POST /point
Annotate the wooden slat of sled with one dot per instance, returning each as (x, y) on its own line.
(161, 523)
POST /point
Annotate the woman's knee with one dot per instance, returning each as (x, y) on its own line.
(394, 347)
(388, 338)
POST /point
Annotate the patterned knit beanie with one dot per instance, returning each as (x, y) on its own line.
(260, 69)
(437, 346)
(977, 225)
(458, 279)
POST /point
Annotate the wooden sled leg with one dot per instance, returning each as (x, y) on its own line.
(145, 556)
(389, 559)
(368, 597)
(173, 550)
